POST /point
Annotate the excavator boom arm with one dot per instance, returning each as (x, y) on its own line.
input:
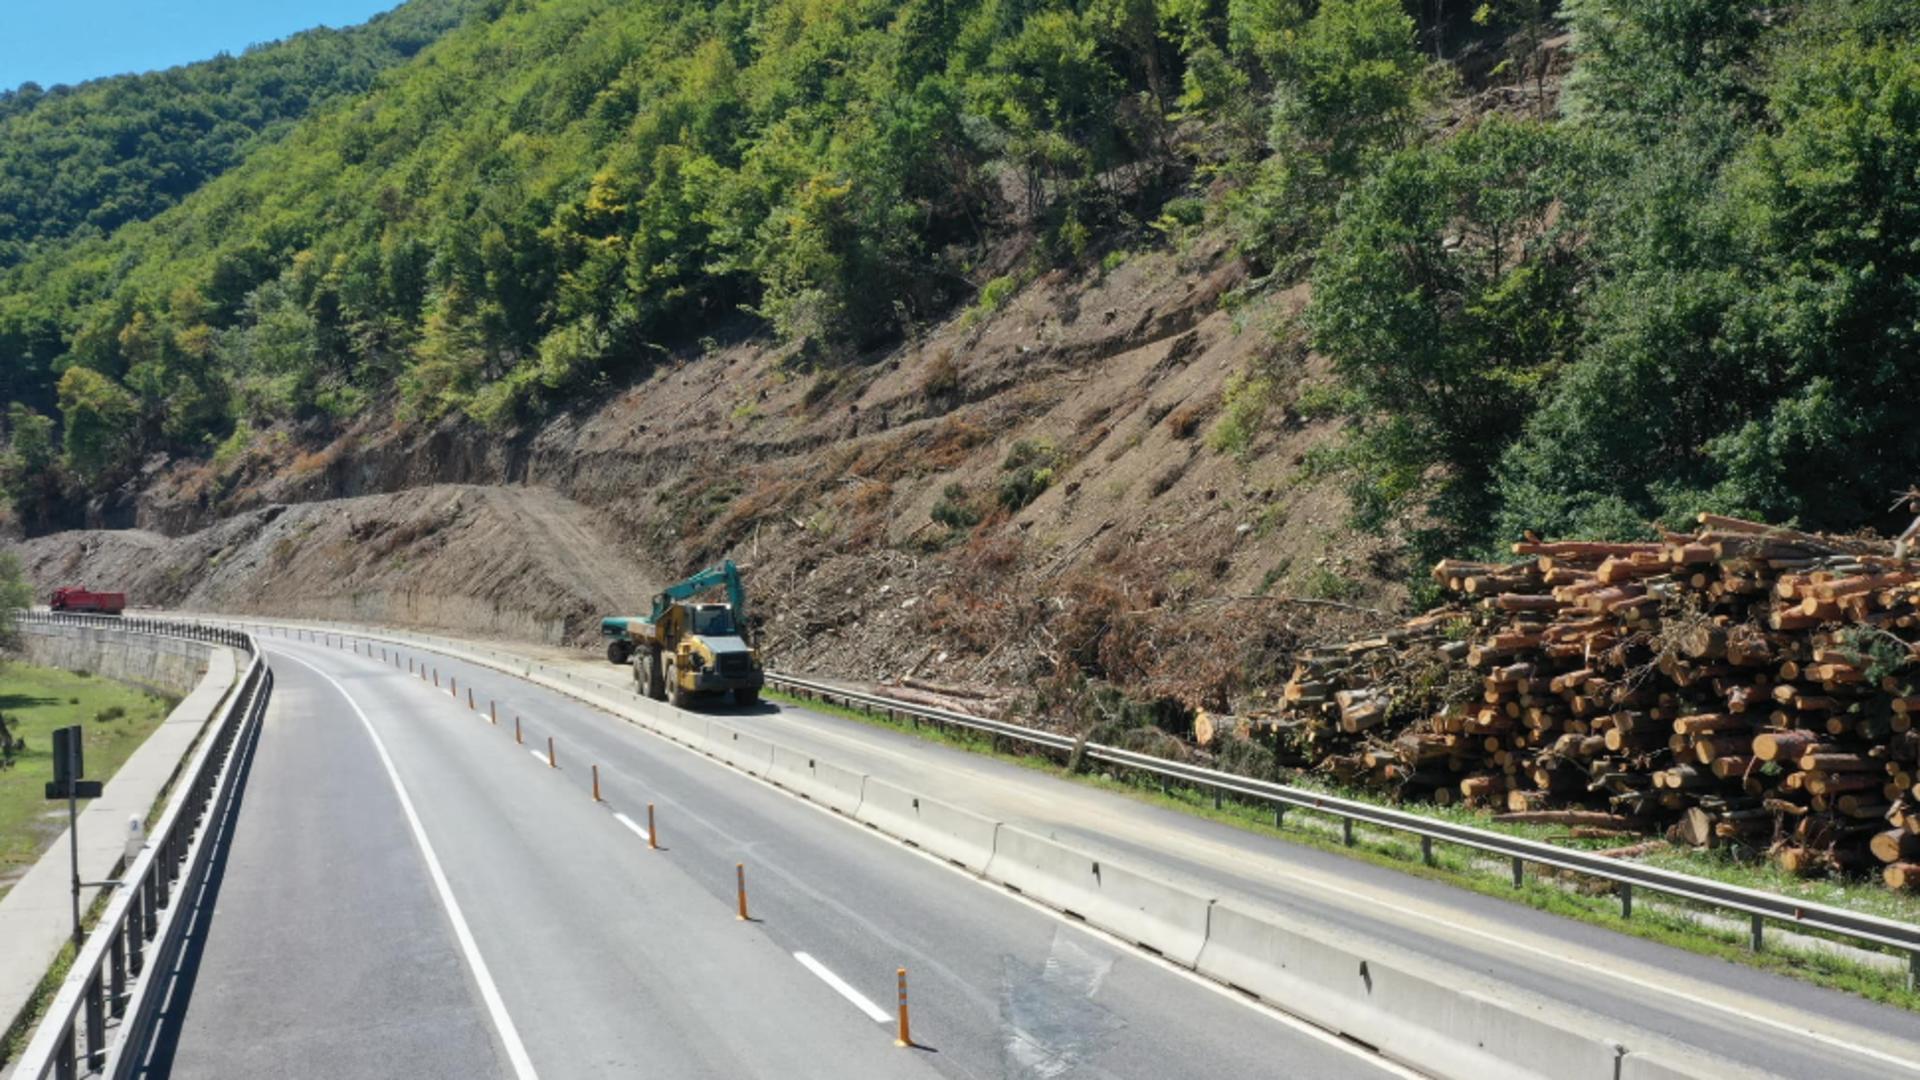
(726, 574)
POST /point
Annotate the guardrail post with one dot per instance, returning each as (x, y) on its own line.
(149, 905)
(1279, 815)
(1426, 850)
(1759, 928)
(1519, 871)
(1625, 890)
(1216, 798)
(1346, 831)
(1913, 971)
(137, 931)
(96, 1023)
(63, 1057)
(117, 971)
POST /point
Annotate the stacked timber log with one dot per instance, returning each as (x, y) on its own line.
(1744, 685)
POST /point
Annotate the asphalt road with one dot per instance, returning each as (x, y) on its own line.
(1729, 1011)
(404, 890)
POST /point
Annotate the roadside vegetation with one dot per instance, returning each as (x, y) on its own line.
(35, 701)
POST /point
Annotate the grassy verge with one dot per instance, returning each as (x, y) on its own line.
(36, 700)
(1669, 922)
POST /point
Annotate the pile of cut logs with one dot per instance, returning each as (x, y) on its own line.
(1744, 685)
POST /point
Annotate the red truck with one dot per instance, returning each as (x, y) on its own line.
(79, 599)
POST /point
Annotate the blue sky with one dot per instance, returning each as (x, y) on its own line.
(69, 41)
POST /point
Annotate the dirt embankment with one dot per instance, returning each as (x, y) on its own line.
(517, 562)
(1102, 479)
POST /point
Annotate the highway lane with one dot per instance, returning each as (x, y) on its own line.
(1725, 1009)
(331, 954)
(612, 959)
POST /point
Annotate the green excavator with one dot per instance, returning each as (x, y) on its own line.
(682, 649)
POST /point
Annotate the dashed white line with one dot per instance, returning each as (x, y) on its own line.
(497, 1008)
(538, 756)
(840, 986)
(631, 824)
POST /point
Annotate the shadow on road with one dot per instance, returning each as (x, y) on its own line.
(164, 1038)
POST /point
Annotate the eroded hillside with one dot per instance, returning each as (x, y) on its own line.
(1071, 484)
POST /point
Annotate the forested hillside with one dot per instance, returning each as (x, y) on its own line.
(95, 156)
(1568, 283)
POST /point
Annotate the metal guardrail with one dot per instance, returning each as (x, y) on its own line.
(143, 927)
(193, 631)
(1625, 876)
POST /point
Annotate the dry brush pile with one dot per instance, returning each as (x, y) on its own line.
(1745, 685)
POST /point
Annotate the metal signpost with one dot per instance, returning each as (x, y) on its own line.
(68, 767)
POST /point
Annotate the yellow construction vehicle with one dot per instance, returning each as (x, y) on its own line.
(682, 649)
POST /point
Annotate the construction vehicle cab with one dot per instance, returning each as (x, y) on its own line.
(683, 649)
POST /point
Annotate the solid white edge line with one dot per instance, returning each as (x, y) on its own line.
(840, 986)
(631, 824)
(1285, 1019)
(1681, 994)
(496, 1008)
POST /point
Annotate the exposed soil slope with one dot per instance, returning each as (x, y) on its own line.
(1110, 534)
(514, 561)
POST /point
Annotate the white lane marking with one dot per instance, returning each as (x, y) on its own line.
(631, 824)
(538, 756)
(497, 1008)
(1690, 995)
(840, 986)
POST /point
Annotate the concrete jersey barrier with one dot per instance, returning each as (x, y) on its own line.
(827, 784)
(749, 753)
(957, 835)
(1138, 906)
(1434, 1019)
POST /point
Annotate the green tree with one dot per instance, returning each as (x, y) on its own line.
(1444, 297)
(1349, 89)
(98, 415)
(16, 595)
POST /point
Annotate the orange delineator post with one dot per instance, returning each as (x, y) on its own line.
(516, 731)
(469, 699)
(493, 712)
(906, 1033)
(740, 882)
(551, 762)
(596, 783)
(653, 835)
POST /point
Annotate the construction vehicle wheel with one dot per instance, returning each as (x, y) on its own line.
(619, 652)
(675, 693)
(656, 680)
(746, 697)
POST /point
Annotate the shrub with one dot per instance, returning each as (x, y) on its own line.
(955, 509)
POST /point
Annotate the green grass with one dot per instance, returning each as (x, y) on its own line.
(1669, 922)
(36, 701)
